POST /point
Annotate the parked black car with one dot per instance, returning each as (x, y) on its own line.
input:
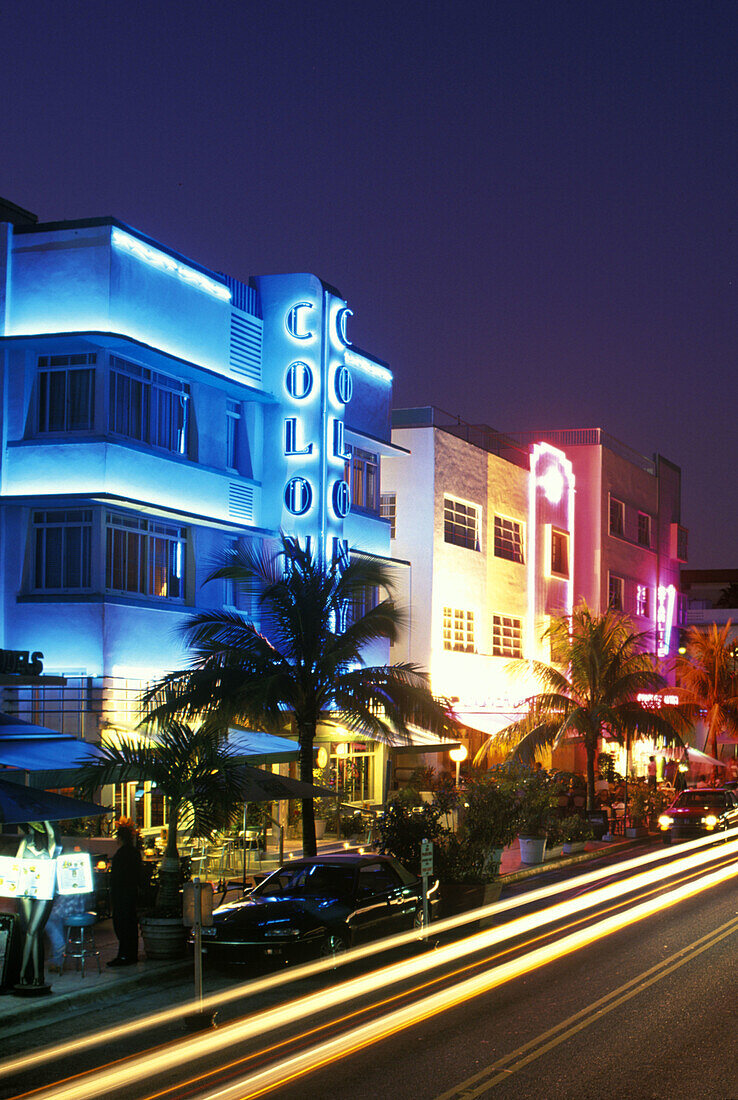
(698, 812)
(317, 907)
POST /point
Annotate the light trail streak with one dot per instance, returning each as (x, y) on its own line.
(374, 1007)
(105, 1079)
(309, 970)
(291, 1069)
(502, 1069)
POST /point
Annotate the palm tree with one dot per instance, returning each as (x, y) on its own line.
(193, 770)
(706, 675)
(303, 660)
(603, 668)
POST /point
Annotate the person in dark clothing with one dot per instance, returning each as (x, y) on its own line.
(125, 879)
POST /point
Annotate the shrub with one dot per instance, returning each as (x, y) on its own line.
(575, 828)
(401, 829)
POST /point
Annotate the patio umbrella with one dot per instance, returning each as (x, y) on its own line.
(21, 804)
(260, 786)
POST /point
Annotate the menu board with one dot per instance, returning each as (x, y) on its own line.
(74, 874)
(27, 878)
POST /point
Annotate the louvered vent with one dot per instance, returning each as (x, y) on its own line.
(241, 502)
(246, 345)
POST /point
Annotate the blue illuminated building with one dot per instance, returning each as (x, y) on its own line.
(154, 412)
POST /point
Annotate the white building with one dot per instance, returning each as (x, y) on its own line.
(498, 533)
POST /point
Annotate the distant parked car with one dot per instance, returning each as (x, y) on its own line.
(317, 907)
(698, 812)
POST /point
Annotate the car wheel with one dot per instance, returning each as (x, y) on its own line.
(667, 838)
(332, 944)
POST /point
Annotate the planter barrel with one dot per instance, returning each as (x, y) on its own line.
(532, 849)
(164, 937)
(571, 846)
(460, 897)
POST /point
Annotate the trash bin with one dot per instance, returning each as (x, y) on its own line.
(598, 821)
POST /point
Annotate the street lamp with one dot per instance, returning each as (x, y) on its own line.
(457, 755)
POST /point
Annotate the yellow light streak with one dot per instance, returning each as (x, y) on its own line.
(309, 970)
(146, 1065)
(376, 1005)
(374, 1031)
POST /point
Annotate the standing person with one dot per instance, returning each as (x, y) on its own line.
(652, 772)
(125, 879)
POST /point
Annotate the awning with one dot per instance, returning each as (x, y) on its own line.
(488, 722)
(702, 758)
(420, 740)
(257, 747)
(48, 757)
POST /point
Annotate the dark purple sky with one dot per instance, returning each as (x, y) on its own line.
(531, 207)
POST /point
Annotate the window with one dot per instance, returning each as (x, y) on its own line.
(508, 539)
(62, 550)
(615, 592)
(642, 601)
(150, 407)
(233, 418)
(66, 393)
(388, 510)
(363, 471)
(460, 523)
(144, 557)
(644, 529)
(458, 630)
(617, 517)
(559, 553)
(507, 636)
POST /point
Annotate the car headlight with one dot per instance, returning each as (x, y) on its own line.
(710, 821)
(665, 822)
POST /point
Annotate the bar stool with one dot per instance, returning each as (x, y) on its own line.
(80, 926)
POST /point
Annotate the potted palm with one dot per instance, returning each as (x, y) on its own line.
(637, 810)
(197, 775)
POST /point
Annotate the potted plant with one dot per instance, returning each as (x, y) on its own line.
(469, 861)
(535, 812)
(575, 831)
(197, 775)
(637, 809)
(554, 840)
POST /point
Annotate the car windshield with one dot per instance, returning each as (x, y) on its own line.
(313, 880)
(707, 800)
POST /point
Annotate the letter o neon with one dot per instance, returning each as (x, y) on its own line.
(343, 385)
(298, 496)
(341, 499)
(299, 380)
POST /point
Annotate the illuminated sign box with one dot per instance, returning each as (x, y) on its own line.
(36, 878)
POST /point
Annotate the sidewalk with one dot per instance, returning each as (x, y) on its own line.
(70, 989)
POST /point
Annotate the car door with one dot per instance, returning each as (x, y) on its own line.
(377, 902)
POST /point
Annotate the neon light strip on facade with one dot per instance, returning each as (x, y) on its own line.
(152, 256)
(351, 359)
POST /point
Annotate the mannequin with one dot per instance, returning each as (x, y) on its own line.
(39, 842)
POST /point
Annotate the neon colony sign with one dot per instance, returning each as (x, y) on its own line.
(665, 600)
(302, 382)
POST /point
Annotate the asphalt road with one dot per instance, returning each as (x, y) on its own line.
(669, 1032)
(649, 1011)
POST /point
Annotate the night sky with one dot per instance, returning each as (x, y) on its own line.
(530, 207)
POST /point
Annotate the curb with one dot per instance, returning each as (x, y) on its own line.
(29, 1012)
(568, 861)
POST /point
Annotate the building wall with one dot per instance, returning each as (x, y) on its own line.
(102, 289)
